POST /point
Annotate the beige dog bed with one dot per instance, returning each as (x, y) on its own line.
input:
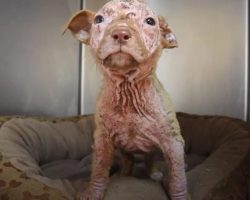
(50, 159)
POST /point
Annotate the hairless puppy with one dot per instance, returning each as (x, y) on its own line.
(133, 111)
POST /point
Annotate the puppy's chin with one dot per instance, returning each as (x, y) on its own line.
(120, 61)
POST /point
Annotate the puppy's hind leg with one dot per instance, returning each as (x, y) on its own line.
(126, 163)
(152, 166)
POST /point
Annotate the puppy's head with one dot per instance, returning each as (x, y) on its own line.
(123, 34)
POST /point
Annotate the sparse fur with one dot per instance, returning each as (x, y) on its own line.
(133, 112)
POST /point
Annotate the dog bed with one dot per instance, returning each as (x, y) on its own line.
(50, 159)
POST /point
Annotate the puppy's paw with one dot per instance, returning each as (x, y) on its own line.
(88, 195)
(156, 176)
(82, 196)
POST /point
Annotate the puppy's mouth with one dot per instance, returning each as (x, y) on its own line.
(120, 61)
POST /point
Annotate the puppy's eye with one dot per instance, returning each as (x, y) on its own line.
(151, 21)
(98, 19)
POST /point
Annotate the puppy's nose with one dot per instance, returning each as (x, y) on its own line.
(121, 35)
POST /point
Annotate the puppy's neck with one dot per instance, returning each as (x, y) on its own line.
(129, 95)
(130, 92)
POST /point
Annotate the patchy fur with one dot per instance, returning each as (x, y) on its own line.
(133, 111)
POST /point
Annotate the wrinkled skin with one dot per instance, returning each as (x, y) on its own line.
(133, 111)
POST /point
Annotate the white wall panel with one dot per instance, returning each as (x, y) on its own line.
(39, 67)
(206, 74)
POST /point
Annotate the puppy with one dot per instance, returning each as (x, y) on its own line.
(133, 111)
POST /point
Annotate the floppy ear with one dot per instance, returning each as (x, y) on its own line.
(80, 24)
(168, 38)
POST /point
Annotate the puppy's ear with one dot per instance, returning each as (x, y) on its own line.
(168, 38)
(80, 24)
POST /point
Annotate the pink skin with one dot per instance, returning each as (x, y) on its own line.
(133, 112)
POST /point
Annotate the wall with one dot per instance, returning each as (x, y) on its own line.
(206, 73)
(39, 67)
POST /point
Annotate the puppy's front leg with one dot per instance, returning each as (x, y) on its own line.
(176, 184)
(102, 161)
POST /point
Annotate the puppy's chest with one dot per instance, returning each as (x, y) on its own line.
(134, 127)
(131, 132)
